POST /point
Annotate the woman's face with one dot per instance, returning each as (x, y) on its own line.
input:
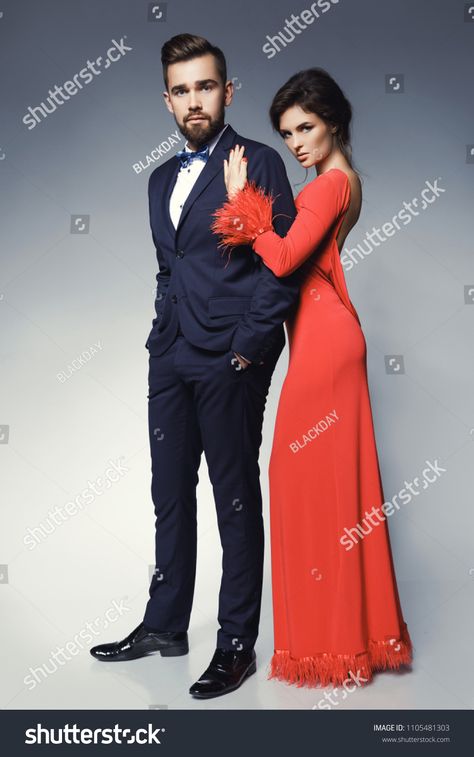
(308, 137)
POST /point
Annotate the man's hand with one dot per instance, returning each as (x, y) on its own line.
(243, 362)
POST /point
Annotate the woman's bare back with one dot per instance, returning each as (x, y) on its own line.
(353, 212)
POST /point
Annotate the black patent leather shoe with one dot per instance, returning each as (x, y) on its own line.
(228, 669)
(141, 642)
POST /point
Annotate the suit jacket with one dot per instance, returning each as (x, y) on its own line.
(240, 307)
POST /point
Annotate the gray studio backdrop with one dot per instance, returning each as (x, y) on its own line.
(76, 302)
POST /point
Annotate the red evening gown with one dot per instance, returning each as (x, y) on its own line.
(336, 606)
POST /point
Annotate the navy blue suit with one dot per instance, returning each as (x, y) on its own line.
(199, 397)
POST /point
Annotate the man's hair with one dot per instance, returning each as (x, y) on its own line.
(188, 46)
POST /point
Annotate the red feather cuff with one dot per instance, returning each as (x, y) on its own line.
(241, 219)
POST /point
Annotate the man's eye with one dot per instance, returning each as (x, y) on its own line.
(307, 128)
(207, 86)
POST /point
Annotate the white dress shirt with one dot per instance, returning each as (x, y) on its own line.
(185, 181)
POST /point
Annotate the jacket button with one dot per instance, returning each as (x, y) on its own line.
(180, 253)
(174, 298)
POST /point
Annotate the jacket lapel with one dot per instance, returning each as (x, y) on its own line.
(214, 164)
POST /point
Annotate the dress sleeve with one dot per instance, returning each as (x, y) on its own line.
(247, 218)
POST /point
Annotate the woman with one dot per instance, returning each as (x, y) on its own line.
(336, 608)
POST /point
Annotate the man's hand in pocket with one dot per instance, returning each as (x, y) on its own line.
(243, 362)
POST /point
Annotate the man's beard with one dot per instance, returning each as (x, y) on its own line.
(199, 133)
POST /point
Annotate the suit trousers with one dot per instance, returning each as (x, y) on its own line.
(202, 400)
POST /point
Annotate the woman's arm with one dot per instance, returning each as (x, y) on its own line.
(247, 217)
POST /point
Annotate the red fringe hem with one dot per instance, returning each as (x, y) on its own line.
(326, 669)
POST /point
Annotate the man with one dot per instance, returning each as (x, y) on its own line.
(214, 343)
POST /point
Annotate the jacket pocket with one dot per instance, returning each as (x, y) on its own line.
(218, 306)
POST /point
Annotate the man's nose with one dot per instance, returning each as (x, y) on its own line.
(194, 100)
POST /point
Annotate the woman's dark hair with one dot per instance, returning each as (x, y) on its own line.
(315, 91)
(188, 46)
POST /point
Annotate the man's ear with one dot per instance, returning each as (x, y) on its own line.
(228, 92)
(168, 101)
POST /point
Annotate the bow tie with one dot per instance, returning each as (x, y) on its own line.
(186, 156)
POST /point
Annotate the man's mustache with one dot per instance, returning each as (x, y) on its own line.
(197, 115)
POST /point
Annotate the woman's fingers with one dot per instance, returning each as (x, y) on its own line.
(237, 152)
(235, 158)
(235, 169)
